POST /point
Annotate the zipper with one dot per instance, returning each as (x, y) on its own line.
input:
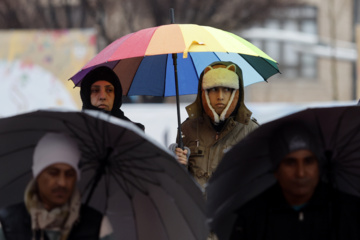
(301, 216)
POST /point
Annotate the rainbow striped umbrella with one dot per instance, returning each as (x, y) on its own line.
(167, 60)
(143, 60)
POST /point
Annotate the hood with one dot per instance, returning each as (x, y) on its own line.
(241, 112)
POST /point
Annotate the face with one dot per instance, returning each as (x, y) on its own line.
(219, 98)
(298, 176)
(102, 95)
(56, 184)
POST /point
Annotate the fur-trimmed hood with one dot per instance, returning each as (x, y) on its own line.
(242, 113)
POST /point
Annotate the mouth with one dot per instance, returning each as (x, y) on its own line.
(301, 184)
(60, 194)
(102, 106)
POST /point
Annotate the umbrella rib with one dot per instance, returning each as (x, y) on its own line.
(88, 166)
(143, 168)
(89, 184)
(136, 183)
(131, 173)
(124, 186)
(192, 62)
(133, 159)
(72, 128)
(353, 186)
(263, 60)
(164, 80)
(107, 191)
(131, 83)
(131, 147)
(120, 136)
(337, 130)
(91, 133)
(346, 155)
(127, 180)
(15, 179)
(161, 220)
(348, 140)
(17, 150)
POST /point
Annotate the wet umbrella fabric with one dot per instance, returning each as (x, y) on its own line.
(249, 169)
(143, 190)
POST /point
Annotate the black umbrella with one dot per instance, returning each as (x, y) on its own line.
(126, 175)
(247, 170)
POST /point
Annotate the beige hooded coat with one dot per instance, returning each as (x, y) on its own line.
(208, 146)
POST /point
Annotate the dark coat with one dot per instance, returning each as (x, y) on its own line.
(328, 215)
(16, 224)
(106, 74)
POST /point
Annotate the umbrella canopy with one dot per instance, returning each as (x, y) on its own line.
(248, 163)
(137, 183)
(143, 60)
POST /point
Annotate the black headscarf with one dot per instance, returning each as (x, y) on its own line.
(106, 74)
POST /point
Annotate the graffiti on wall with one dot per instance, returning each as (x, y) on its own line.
(35, 67)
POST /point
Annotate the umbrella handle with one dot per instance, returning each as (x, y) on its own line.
(172, 18)
(180, 142)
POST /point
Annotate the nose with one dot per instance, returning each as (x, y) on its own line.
(220, 94)
(300, 170)
(102, 94)
(62, 180)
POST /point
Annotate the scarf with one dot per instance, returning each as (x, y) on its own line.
(59, 219)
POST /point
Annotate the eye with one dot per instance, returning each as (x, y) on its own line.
(94, 90)
(70, 173)
(109, 90)
(288, 161)
(212, 90)
(310, 160)
(53, 172)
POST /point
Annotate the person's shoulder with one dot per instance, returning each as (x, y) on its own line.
(189, 122)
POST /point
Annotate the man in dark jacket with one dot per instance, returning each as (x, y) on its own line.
(300, 205)
(101, 90)
(52, 207)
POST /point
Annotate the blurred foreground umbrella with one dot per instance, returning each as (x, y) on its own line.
(251, 171)
(137, 183)
(144, 61)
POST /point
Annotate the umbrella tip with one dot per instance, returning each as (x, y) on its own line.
(172, 18)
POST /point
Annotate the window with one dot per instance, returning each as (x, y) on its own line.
(286, 50)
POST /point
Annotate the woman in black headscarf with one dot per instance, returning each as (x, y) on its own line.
(87, 88)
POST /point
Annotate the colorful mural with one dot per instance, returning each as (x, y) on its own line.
(35, 67)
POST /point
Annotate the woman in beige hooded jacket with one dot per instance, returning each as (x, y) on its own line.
(217, 120)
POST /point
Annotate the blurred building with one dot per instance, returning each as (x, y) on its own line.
(315, 46)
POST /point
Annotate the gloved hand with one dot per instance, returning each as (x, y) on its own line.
(181, 154)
